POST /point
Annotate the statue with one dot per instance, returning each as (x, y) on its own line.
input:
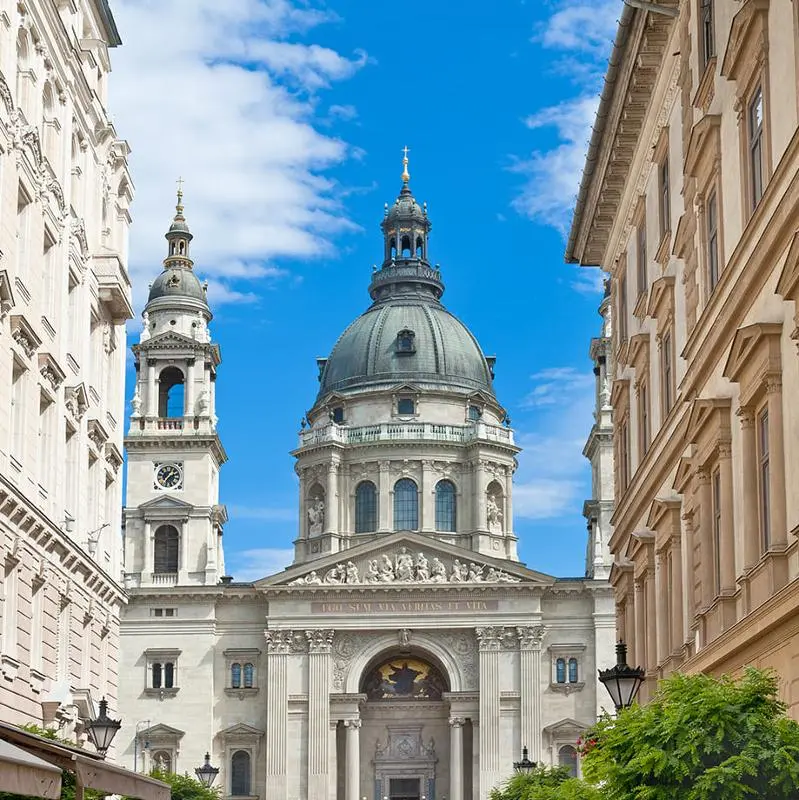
(475, 573)
(372, 572)
(316, 516)
(145, 327)
(334, 575)
(493, 514)
(352, 573)
(404, 636)
(438, 572)
(456, 576)
(422, 568)
(404, 566)
(135, 403)
(386, 569)
(161, 763)
(202, 404)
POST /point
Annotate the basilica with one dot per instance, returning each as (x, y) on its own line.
(406, 653)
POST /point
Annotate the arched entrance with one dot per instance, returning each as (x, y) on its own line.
(405, 731)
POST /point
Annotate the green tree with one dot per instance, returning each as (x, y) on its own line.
(184, 787)
(545, 783)
(700, 738)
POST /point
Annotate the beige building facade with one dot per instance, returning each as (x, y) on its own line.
(689, 200)
(64, 300)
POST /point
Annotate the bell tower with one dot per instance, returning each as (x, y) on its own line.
(173, 518)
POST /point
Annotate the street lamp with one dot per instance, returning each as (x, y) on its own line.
(622, 681)
(206, 774)
(102, 729)
(525, 766)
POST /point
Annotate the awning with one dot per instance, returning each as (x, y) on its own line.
(23, 773)
(90, 770)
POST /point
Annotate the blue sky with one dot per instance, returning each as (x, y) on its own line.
(286, 120)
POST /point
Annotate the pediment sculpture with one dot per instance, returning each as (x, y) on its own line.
(404, 567)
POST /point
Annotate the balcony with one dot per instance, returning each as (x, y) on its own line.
(407, 432)
(114, 285)
(165, 579)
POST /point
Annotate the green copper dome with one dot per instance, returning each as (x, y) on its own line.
(406, 336)
(177, 282)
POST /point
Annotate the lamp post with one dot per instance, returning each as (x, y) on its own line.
(206, 774)
(622, 681)
(102, 729)
(525, 766)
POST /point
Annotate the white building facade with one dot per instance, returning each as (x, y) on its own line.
(407, 652)
(64, 300)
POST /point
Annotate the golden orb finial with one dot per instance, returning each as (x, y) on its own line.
(405, 174)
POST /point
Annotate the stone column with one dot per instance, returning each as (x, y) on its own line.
(188, 395)
(278, 645)
(752, 542)
(152, 393)
(384, 497)
(639, 644)
(428, 520)
(332, 744)
(778, 524)
(481, 523)
(530, 639)
(319, 646)
(651, 628)
(509, 501)
(331, 498)
(489, 642)
(706, 538)
(183, 566)
(727, 533)
(353, 774)
(661, 607)
(456, 758)
(677, 633)
(149, 546)
(689, 598)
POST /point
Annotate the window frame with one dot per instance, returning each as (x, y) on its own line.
(664, 195)
(167, 543)
(712, 251)
(644, 421)
(370, 525)
(243, 658)
(641, 255)
(452, 506)
(667, 371)
(248, 753)
(707, 32)
(397, 511)
(755, 143)
(400, 401)
(622, 302)
(163, 663)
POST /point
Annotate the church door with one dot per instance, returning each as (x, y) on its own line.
(404, 789)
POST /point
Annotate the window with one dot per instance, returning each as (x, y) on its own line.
(623, 305)
(338, 415)
(712, 223)
(235, 676)
(365, 507)
(643, 416)
(24, 218)
(163, 674)
(763, 479)
(666, 360)
(18, 386)
(445, 506)
(405, 406)
(665, 205)
(249, 676)
(475, 413)
(756, 154)
(641, 257)
(560, 670)
(242, 677)
(708, 31)
(240, 774)
(567, 757)
(164, 612)
(51, 275)
(716, 519)
(165, 556)
(406, 505)
(624, 454)
(573, 671)
(47, 440)
(406, 342)
(170, 393)
(242, 671)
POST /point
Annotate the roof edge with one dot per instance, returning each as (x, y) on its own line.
(598, 131)
(109, 23)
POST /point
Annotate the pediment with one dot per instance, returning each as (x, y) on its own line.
(166, 502)
(405, 558)
(162, 731)
(745, 345)
(789, 277)
(703, 144)
(565, 727)
(708, 412)
(169, 339)
(405, 388)
(241, 730)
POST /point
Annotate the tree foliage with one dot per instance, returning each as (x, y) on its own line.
(545, 783)
(184, 787)
(700, 738)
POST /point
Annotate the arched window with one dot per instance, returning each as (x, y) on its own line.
(392, 247)
(23, 70)
(49, 125)
(406, 505)
(445, 506)
(170, 393)
(240, 774)
(169, 675)
(419, 247)
(182, 247)
(235, 676)
(560, 670)
(573, 671)
(406, 341)
(406, 247)
(567, 757)
(365, 507)
(249, 676)
(165, 556)
(157, 676)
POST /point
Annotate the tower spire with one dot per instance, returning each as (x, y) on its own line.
(405, 174)
(179, 236)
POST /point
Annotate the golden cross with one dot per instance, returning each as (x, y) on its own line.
(405, 176)
(405, 151)
(180, 184)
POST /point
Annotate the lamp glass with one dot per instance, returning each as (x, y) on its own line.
(102, 729)
(206, 774)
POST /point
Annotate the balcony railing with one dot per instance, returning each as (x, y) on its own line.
(165, 579)
(405, 431)
(170, 424)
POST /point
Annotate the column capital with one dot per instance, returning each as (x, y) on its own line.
(531, 636)
(725, 450)
(457, 722)
(489, 639)
(774, 384)
(352, 724)
(320, 641)
(702, 475)
(747, 416)
(278, 641)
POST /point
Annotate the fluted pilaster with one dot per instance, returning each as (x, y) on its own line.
(278, 646)
(530, 639)
(319, 646)
(490, 642)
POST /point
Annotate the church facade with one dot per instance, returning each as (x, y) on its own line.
(407, 652)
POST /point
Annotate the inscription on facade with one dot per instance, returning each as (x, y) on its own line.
(405, 607)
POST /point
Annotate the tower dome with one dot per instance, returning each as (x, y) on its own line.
(406, 335)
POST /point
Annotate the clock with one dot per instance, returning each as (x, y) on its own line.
(169, 476)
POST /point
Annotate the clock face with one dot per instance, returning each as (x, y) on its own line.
(169, 476)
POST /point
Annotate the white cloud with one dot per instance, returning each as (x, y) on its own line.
(581, 35)
(252, 565)
(346, 113)
(546, 498)
(558, 386)
(222, 94)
